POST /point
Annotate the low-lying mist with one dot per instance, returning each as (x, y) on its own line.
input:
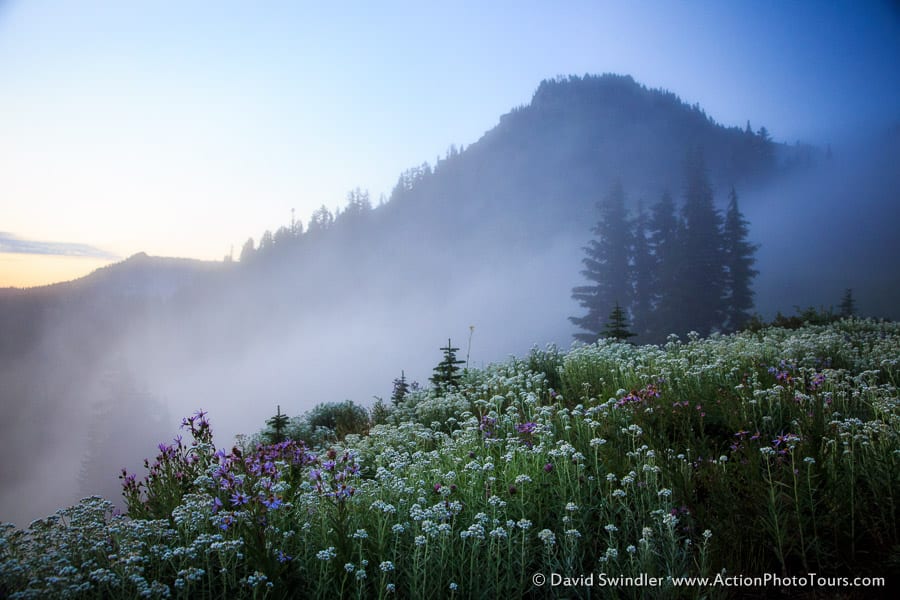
(113, 413)
(104, 376)
(829, 228)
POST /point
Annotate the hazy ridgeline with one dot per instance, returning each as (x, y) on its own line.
(95, 373)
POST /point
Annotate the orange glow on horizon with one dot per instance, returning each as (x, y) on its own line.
(30, 270)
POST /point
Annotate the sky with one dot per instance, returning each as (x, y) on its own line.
(183, 128)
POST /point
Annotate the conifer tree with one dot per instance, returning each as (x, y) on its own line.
(447, 373)
(321, 219)
(379, 413)
(247, 251)
(617, 325)
(401, 389)
(848, 305)
(664, 245)
(700, 283)
(266, 242)
(642, 269)
(277, 425)
(606, 267)
(739, 271)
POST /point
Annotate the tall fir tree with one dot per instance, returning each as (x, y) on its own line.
(606, 267)
(665, 248)
(247, 251)
(701, 276)
(739, 271)
(643, 266)
(447, 372)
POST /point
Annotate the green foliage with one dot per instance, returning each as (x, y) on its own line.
(380, 412)
(802, 317)
(330, 422)
(173, 473)
(548, 363)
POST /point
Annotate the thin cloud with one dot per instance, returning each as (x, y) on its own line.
(12, 244)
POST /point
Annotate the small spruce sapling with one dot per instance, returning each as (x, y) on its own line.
(617, 325)
(447, 373)
(379, 413)
(277, 425)
(848, 304)
(401, 389)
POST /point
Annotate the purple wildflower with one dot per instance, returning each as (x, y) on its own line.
(272, 502)
(528, 427)
(487, 426)
(227, 521)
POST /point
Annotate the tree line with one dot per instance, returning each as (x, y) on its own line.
(674, 270)
(358, 207)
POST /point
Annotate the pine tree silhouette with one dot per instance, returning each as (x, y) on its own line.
(665, 247)
(700, 285)
(848, 305)
(643, 268)
(739, 262)
(606, 266)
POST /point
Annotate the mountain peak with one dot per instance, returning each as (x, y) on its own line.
(597, 86)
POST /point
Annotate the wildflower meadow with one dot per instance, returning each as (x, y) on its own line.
(774, 451)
